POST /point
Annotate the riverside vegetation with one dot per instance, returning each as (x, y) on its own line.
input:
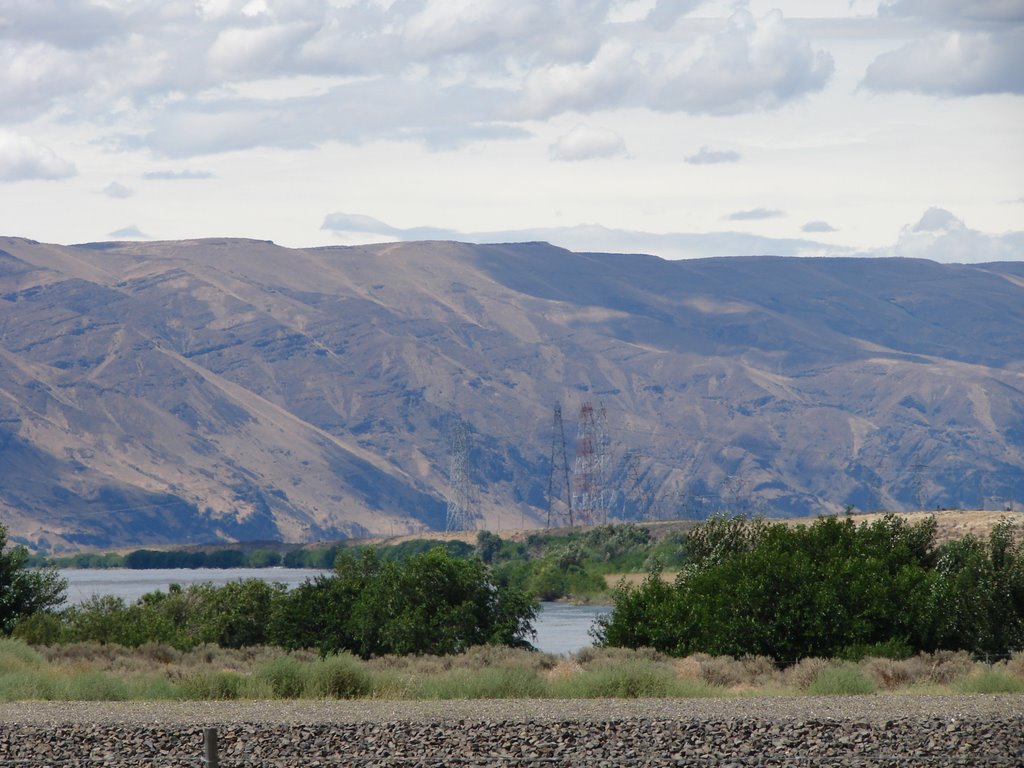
(755, 605)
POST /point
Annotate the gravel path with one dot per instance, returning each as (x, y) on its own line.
(882, 730)
(871, 709)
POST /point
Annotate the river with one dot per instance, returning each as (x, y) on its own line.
(561, 627)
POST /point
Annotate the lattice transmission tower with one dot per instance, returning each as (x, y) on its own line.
(591, 495)
(462, 513)
(559, 490)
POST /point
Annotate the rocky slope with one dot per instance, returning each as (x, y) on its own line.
(232, 389)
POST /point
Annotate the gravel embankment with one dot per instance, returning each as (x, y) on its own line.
(885, 730)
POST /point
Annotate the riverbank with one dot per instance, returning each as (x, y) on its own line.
(939, 731)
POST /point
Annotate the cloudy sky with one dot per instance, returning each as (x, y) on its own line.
(678, 127)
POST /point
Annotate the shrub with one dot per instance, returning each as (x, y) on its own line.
(338, 677)
(39, 628)
(92, 686)
(990, 681)
(212, 685)
(844, 680)
(804, 672)
(1015, 666)
(491, 683)
(26, 684)
(889, 673)
(15, 656)
(628, 680)
(154, 687)
(943, 667)
(728, 672)
(286, 677)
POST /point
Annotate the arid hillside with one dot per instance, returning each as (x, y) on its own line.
(236, 390)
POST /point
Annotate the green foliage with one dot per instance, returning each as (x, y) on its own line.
(93, 686)
(629, 679)
(832, 588)
(990, 681)
(286, 677)
(15, 656)
(551, 566)
(341, 676)
(263, 558)
(491, 683)
(40, 628)
(845, 680)
(25, 591)
(316, 557)
(212, 685)
(235, 615)
(26, 684)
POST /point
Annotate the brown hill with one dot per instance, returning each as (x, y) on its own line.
(235, 390)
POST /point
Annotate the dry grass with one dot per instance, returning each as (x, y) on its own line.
(90, 670)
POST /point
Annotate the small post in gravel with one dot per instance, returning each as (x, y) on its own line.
(210, 759)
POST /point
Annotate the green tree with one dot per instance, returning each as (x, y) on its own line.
(25, 591)
(831, 588)
(428, 603)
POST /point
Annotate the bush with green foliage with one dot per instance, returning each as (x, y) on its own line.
(428, 603)
(235, 615)
(831, 588)
(25, 591)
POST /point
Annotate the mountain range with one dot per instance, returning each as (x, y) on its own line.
(228, 390)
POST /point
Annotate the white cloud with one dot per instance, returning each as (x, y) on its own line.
(586, 143)
(32, 74)
(603, 82)
(708, 156)
(817, 226)
(176, 175)
(251, 51)
(751, 64)
(117, 190)
(82, 24)
(956, 10)
(669, 245)
(754, 214)
(23, 158)
(131, 232)
(940, 236)
(957, 63)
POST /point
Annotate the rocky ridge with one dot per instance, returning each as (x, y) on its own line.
(225, 390)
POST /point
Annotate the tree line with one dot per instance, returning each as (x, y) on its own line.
(430, 603)
(829, 589)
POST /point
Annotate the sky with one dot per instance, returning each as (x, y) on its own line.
(683, 128)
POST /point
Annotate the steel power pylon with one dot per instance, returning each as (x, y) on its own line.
(591, 496)
(559, 474)
(462, 514)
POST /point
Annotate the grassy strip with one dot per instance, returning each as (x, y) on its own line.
(93, 672)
